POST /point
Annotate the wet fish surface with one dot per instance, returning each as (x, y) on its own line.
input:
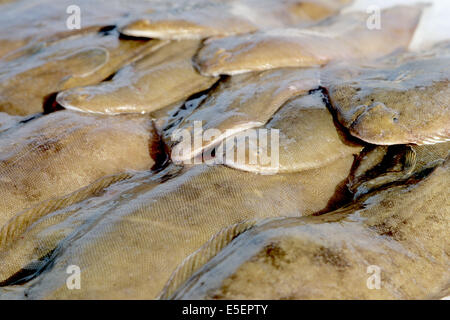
(61, 152)
(239, 103)
(202, 18)
(407, 103)
(343, 37)
(66, 63)
(308, 139)
(151, 219)
(160, 79)
(332, 256)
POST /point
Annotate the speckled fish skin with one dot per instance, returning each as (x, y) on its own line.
(81, 59)
(205, 18)
(61, 152)
(343, 37)
(308, 138)
(160, 79)
(332, 256)
(150, 220)
(243, 102)
(408, 103)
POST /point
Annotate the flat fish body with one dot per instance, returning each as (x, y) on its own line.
(344, 37)
(204, 18)
(157, 80)
(64, 151)
(331, 256)
(236, 104)
(70, 62)
(308, 139)
(400, 104)
(8, 121)
(176, 216)
(32, 21)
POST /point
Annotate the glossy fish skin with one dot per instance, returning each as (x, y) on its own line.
(332, 256)
(157, 80)
(205, 18)
(343, 37)
(28, 22)
(151, 219)
(65, 63)
(308, 138)
(408, 103)
(64, 151)
(242, 102)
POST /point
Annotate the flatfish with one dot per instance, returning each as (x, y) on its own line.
(199, 19)
(308, 138)
(394, 104)
(61, 152)
(66, 63)
(176, 215)
(236, 104)
(343, 37)
(333, 256)
(160, 79)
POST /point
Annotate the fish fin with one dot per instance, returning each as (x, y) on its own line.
(200, 257)
(86, 62)
(20, 222)
(409, 162)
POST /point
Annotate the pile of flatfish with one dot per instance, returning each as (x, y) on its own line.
(210, 149)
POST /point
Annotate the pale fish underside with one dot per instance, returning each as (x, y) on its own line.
(239, 103)
(343, 37)
(160, 79)
(176, 216)
(399, 104)
(204, 18)
(308, 139)
(399, 234)
(83, 59)
(64, 151)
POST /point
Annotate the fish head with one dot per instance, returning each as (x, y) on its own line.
(378, 124)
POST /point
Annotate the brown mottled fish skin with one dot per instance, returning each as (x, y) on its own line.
(308, 139)
(177, 216)
(66, 63)
(205, 18)
(64, 151)
(160, 79)
(344, 37)
(239, 103)
(402, 230)
(408, 103)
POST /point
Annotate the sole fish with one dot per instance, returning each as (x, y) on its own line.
(157, 80)
(308, 139)
(64, 151)
(343, 37)
(63, 64)
(400, 104)
(239, 103)
(176, 216)
(205, 18)
(339, 255)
